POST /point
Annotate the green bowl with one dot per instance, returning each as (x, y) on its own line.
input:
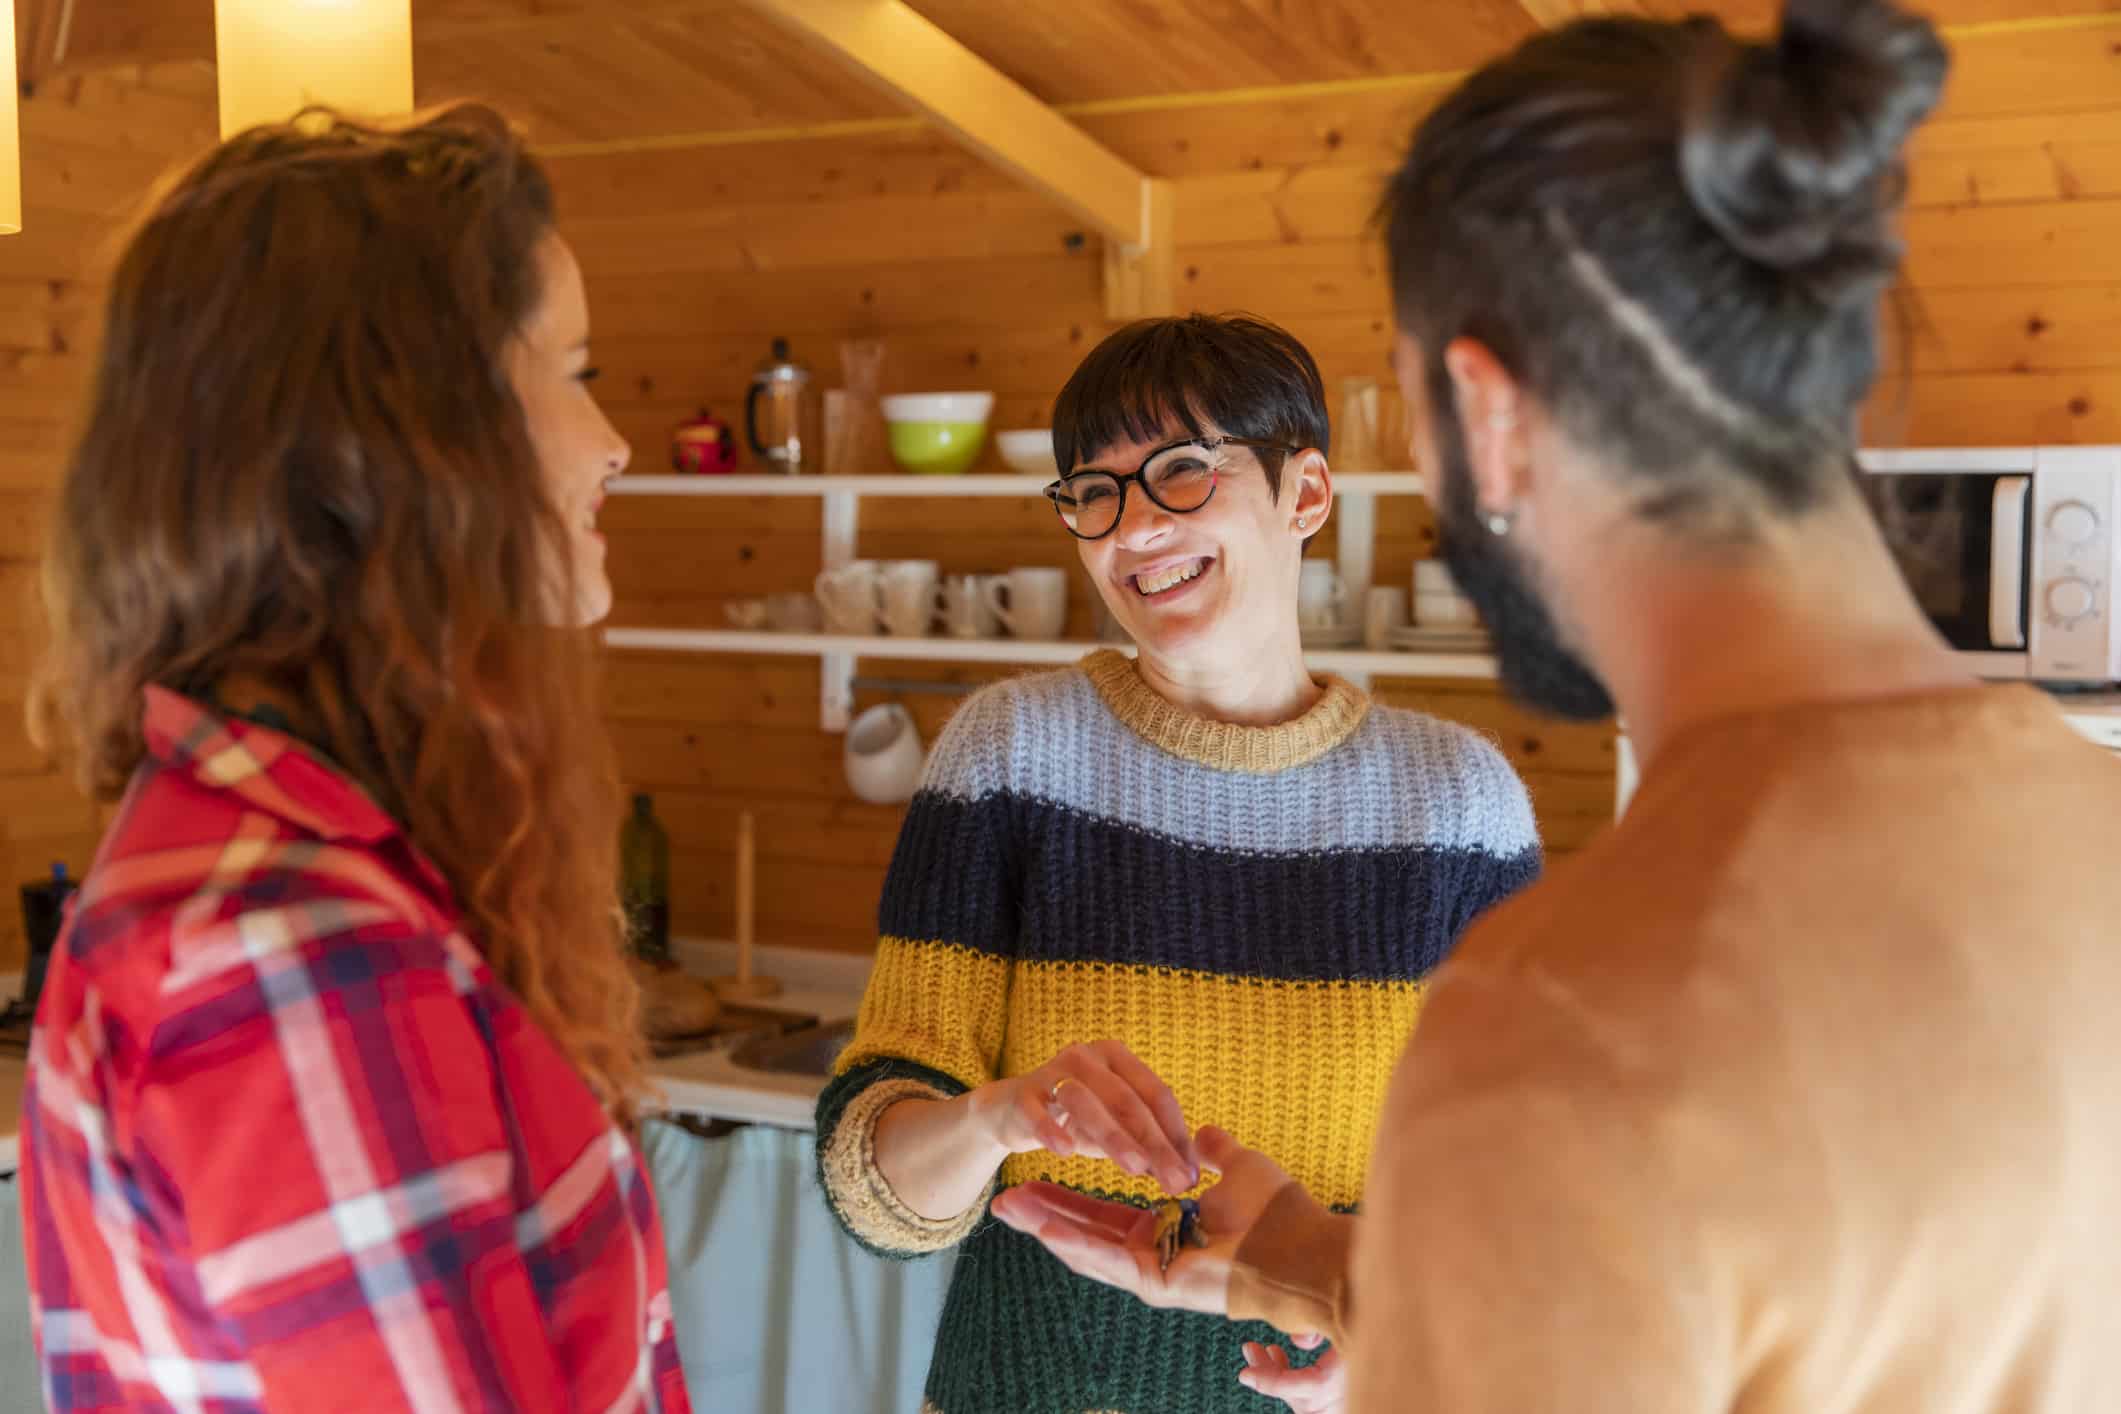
(937, 448)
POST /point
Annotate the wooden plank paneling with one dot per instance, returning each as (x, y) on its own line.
(879, 298)
(1119, 50)
(2008, 408)
(2039, 329)
(1996, 360)
(1984, 161)
(699, 255)
(44, 313)
(18, 756)
(93, 144)
(739, 237)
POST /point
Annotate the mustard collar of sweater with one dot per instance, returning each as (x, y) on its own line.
(1226, 746)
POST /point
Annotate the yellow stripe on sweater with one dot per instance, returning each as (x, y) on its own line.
(1298, 1069)
(939, 1004)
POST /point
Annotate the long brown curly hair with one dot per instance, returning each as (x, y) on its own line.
(303, 465)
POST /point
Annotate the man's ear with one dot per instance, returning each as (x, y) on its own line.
(1491, 407)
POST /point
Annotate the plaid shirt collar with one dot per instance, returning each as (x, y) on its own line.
(275, 774)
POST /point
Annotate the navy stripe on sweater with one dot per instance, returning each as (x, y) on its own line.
(1035, 881)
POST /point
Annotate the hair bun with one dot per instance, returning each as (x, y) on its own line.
(1791, 150)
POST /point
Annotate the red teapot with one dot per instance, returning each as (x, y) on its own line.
(706, 445)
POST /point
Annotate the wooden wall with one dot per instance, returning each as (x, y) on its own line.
(2015, 248)
(91, 147)
(698, 256)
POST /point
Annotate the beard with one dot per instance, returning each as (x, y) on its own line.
(1537, 670)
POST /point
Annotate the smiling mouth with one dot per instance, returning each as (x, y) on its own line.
(1149, 586)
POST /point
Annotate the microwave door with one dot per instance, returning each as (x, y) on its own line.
(1960, 541)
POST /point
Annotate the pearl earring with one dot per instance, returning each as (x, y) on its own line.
(1499, 522)
(1303, 522)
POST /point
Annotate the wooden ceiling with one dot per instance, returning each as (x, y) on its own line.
(604, 71)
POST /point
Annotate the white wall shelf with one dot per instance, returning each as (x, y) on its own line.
(1345, 484)
(1347, 663)
(1354, 514)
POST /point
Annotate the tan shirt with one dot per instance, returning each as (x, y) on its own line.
(1798, 1091)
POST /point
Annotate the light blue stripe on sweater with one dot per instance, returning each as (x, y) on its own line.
(1401, 779)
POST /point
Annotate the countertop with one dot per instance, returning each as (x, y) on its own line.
(708, 1085)
(705, 1084)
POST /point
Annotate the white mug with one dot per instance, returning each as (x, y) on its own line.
(1384, 608)
(883, 755)
(966, 613)
(1437, 602)
(848, 596)
(1445, 611)
(1433, 577)
(906, 596)
(1032, 602)
(1321, 598)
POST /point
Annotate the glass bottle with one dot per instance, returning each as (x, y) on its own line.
(644, 880)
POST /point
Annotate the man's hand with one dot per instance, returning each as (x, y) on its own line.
(1115, 1243)
(1322, 1389)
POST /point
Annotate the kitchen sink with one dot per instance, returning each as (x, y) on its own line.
(809, 1050)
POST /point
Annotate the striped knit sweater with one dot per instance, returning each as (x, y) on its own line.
(1251, 910)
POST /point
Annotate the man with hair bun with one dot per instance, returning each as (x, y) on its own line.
(1795, 1091)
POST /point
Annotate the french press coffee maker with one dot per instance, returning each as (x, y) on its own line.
(780, 414)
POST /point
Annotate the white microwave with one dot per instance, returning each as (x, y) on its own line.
(2011, 551)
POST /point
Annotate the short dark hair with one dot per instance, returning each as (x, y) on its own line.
(1676, 241)
(1246, 376)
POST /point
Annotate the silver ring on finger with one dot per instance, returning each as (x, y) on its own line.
(1053, 1097)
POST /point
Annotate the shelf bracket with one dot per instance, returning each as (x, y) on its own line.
(1355, 513)
(899, 51)
(842, 514)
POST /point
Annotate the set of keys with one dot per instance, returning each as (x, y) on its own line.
(1178, 1226)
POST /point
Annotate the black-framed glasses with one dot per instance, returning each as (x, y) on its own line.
(1178, 476)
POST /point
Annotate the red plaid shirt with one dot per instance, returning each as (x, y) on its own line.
(287, 1143)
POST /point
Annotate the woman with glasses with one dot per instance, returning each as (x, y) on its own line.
(1195, 887)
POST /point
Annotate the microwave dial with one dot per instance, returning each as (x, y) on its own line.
(2073, 523)
(2069, 600)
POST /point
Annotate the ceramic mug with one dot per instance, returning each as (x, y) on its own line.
(883, 755)
(966, 612)
(1445, 611)
(1033, 603)
(1321, 597)
(1384, 608)
(848, 596)
(1437, 602)
(905, 592)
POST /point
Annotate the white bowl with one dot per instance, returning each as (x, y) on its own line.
(1027, 449)
(937, 407)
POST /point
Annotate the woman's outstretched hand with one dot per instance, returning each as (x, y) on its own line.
(1097, 1100)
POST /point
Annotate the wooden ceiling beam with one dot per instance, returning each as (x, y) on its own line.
(895, 49)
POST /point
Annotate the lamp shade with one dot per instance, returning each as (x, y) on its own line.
(276, 57)
(10, 126)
